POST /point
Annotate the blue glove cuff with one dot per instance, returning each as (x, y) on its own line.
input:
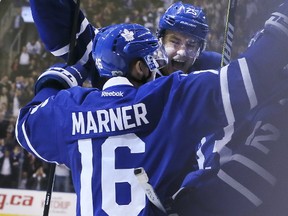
(61, 76)
(279, 19)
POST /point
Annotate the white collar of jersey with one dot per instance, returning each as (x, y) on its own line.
(117, 81)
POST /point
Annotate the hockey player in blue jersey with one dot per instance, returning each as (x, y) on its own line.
(103, 135)
(183, 30)
(100, 190)
(242, 170)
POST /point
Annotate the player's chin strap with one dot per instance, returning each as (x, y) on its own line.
(143, 179)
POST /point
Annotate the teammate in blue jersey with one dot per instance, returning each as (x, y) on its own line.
(183, 30)
(242, 170)
(102, 136)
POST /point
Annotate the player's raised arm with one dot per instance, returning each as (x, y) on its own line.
(250, 174)
(259, 67)
(54, 21)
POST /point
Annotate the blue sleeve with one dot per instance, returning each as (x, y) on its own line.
(257, 71)
(33, 119)
(247, 174)
(54, 21)
(207, 60)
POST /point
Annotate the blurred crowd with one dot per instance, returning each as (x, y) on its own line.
(18, 169)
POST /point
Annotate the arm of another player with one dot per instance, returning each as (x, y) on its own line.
(44, 112)
(54, 21)
(207, 60)
(252, 175)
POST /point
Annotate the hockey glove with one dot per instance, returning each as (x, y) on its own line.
(61, 76)
(279, 19)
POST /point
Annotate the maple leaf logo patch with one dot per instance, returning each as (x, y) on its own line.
(128, 35)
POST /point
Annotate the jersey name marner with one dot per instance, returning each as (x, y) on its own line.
(109, 120)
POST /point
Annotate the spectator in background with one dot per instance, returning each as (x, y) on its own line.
(34, 47)
(62, 179)
(4, 96)
(33, 65)
(6, 170)
(17, 23)
(30, 164)
(4, 81)
(24, 180)
(15, 155)
(23, 90)
(38, 180)
(2, 147)
(22, 93)
(24, 61)
(14, 68)
(9, 139)
(4, 122)
(16, 103)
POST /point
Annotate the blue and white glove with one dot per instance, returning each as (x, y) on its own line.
(61, 76)
(279, 19)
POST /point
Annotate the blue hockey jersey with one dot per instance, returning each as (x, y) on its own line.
(242, 170)
(207, 60)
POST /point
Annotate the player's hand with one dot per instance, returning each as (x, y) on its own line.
(61, 76)
(279, 19)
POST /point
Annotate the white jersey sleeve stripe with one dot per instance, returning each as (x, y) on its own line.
(84, 59)
(61, 51)
(255, 168)
(220, 144)
(239, 187)
(207, 71)
(83, 26)
(248, 82)
(65, 49)
(226, 95)
(16, 132)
